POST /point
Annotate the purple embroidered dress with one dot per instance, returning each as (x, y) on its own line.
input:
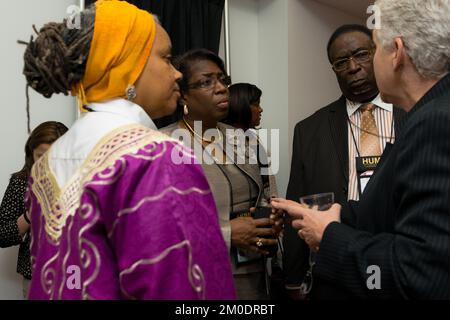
(130, 224)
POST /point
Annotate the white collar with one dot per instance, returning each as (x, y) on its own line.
(352, 106)
(124, 108)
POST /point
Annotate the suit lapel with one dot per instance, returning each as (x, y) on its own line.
(252, 171)
(339, 133)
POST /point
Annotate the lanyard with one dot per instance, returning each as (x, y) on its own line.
(351, 124)
(230, 184)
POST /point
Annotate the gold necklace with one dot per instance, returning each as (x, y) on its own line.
(199, 136)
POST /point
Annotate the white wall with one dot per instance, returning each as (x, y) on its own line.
(312, 82)
(244, 41)
(17, 18)
(280, 45)
(258, 33)
(273, 72)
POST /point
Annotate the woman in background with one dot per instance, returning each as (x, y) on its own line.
(14, 224)
(244, 106)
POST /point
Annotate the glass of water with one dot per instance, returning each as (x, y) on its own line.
(320, 202)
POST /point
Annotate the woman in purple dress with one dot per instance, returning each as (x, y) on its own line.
(112, 216)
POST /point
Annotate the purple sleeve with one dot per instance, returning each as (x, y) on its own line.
(163, 228)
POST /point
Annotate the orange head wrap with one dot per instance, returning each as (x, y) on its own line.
(121, 44)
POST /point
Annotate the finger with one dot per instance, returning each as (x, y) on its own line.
(262, 222)
(270, 242)
(336, 206)
(274, 210)
(300, 234)
(278, 214)
(298, 224)
(277, 200)
(279, 203)
(294, 210)
(265, 232)
(259, 244)
(278, 222)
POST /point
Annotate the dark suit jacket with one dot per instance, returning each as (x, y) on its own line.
(402, 221)
(319, 164)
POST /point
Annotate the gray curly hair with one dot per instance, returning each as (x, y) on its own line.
(424, 26)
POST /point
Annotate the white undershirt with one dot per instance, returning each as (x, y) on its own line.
(68, 153)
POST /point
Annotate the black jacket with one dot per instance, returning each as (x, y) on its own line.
(319, 164)
(402, 221)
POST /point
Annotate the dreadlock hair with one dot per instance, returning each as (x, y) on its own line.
(47, 132)
(56, 59)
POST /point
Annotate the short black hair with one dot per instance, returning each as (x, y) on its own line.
(347, 28)
(242, 96)
(184, 62)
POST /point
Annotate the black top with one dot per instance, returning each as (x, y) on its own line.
(11, 209)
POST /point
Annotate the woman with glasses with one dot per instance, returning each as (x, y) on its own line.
(237, 184)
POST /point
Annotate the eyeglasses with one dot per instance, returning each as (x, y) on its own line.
(211, 82)
(359, 57)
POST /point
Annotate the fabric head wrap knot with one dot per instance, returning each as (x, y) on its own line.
(121, 44)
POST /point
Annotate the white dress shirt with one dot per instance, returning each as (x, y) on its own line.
(384, 120)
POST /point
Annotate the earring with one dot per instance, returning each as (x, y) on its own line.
(185, 110)
(131, 92)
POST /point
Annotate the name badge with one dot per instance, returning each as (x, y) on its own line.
(365, 167)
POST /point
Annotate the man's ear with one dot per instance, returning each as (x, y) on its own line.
(400, 54)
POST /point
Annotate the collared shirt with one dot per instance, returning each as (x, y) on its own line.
(70, 151)
(384, 120)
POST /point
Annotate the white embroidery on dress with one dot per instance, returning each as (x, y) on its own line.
(157, 197)
(194, 272)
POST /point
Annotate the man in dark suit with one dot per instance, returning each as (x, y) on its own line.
(327, 143)
(395, 243)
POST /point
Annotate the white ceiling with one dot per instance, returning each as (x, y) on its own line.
(356, 8)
